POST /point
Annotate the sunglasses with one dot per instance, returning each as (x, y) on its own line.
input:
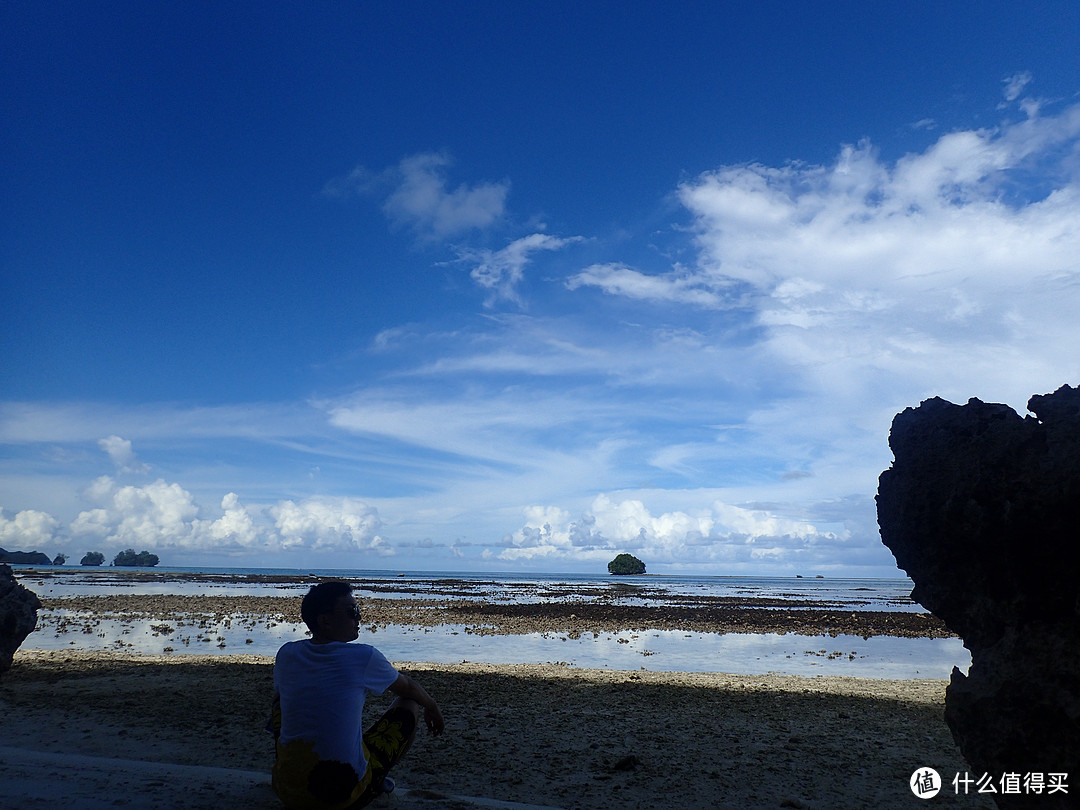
(354, 611)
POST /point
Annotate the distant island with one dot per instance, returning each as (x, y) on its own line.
(128, 557)
(24, 557)
(626, 564)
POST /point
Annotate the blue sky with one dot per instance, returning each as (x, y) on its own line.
(517, 286)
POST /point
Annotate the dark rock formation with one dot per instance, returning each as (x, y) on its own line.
(982, 509)
(18, 616)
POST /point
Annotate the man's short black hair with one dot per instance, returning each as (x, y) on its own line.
(321, 599)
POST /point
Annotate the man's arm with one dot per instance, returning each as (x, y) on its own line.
(406, 687)
(273, 722)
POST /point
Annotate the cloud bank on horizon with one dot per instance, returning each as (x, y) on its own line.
(718, 401)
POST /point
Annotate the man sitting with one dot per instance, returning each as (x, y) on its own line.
(324, 761)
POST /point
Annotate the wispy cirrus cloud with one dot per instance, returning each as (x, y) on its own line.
(1015, 84)
(674, 288)
(501, 271)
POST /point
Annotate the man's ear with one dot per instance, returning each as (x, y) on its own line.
(322, 621)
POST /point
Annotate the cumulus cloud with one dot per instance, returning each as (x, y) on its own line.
(27, 530)
(159, 515)
(422, 200)
(235, 527)
(163, 515)
(501, 271)
(122, 455)
(546, 533)
(345, 524)
(719, 532)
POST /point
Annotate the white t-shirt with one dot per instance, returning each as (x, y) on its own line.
(322, 688)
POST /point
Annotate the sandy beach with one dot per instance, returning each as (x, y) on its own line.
(548, 735)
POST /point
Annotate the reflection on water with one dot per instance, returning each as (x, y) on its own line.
(655, 650)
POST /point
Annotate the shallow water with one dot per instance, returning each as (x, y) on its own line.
(653, 650)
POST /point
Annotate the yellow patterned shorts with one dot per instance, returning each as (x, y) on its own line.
(303, 781)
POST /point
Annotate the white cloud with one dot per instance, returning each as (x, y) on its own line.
(422, 201)
(122, 455)
(677, 288)
(27, 530)
(941, 272)
(159, 515)
(1015, 84)
(738, 420)
(329, 523)
(501, 271)
(501, 426)
(546, 533)
(235, 527)
(42, 421)
(166, 516)
(717, 532)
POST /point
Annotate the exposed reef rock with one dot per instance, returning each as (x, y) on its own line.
(18, 616)
(982, 509)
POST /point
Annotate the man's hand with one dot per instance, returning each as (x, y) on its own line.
(406, 687)
(434, 720)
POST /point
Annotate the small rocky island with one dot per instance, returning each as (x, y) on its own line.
(24, 557)
(626, 564)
